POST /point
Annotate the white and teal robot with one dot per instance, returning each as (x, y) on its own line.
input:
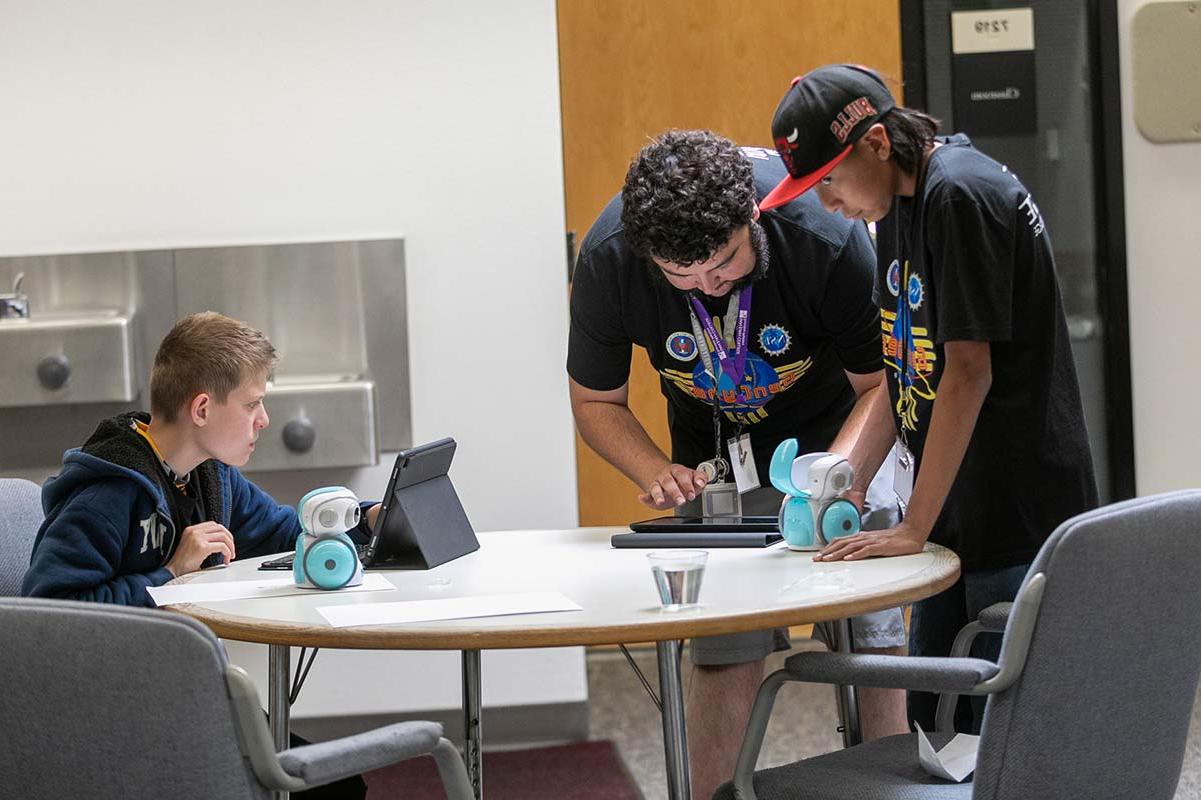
(326, 557)
(812, 514)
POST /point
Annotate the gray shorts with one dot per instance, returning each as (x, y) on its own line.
(875, 630)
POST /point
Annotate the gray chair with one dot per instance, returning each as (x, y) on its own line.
(1091, 696)
(20, 518)
(108, 701)
(991, 620)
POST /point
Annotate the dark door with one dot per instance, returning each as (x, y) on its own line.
(1035, 86)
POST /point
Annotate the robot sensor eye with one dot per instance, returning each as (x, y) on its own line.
(327, 517)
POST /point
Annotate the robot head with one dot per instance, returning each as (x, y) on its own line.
(829, 475)
(818, 475)
(329, 510)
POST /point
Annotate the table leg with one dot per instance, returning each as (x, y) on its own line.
(278, 675)
(675, 735)
(848, 700)
(472, 709)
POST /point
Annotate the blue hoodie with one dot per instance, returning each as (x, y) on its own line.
(108, 532)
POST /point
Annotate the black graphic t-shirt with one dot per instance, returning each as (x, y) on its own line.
(969, 259)
(812, 317)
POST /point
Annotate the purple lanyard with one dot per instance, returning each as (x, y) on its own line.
(731, 364)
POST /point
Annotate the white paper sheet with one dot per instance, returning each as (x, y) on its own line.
(954, 762)
(242, 590)
(486, 605)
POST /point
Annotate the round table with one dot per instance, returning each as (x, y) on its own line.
(743, 589)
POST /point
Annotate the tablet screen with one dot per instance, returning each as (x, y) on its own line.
(699, 524)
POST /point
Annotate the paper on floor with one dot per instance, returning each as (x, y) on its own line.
(954, 762)
(242, 590)
(488, 605)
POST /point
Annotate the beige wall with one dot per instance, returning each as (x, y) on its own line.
(1163, 237)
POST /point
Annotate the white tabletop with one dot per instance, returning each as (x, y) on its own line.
(743, 589)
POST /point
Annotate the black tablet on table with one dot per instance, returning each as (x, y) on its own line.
(421, 522)
(701, 532)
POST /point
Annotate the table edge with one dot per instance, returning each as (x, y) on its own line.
(946, 569)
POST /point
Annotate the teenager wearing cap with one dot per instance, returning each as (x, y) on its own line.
(983, 397)
(680, 252)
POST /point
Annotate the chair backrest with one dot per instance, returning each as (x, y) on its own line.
(1102, 706)
(108, 701)
(20, 518)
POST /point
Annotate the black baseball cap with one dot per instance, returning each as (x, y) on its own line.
(820, 118)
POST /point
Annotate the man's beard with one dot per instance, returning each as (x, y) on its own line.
(762, 256)
(758, 239)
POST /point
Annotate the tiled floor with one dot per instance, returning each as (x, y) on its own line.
(803, 722)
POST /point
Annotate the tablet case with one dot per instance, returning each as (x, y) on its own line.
(425, 521)
(434, 527)
(696, 539)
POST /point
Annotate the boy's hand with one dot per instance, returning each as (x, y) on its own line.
(899, 541)
(198, 543)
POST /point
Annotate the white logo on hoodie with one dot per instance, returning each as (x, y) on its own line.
(153, 533)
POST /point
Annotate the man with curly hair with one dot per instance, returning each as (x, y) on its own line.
(669, 265)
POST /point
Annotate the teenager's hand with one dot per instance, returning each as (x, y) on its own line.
(674, 484)
(899, 541)
(197, 543)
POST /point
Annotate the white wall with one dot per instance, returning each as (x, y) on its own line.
(1163, 264)
(131, 125)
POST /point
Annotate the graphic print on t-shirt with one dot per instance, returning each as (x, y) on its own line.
(908, 350)
(760, 382)
(774, 340)
(681, 345)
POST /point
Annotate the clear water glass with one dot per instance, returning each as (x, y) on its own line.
(678, 575)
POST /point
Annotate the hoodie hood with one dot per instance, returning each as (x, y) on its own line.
(116, 450)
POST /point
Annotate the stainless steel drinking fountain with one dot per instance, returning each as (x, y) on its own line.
(78, 335)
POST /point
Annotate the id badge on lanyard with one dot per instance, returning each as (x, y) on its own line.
(905, 470)
(903, 474)
(906, 467)
(727, 374)
(742, 463)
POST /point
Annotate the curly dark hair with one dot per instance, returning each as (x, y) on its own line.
(684, 196)
(911, 133)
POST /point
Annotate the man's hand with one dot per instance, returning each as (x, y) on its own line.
(373, 515)
(674, 484)
(899, 541)
(858, 497)
(197, 543)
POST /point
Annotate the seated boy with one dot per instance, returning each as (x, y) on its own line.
(151, 497)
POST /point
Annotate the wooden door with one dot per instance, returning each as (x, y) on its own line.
(630, 69)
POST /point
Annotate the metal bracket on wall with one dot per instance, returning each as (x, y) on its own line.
(1167, 71)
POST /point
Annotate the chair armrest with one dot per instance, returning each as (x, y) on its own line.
(994, 618)
(894, 672)
(302, 768)
(322, 763)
